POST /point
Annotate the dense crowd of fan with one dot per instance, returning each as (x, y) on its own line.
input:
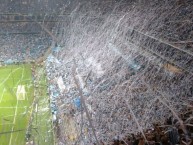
(120, 71)
(129, 74)
(22, 41)
(17, 48)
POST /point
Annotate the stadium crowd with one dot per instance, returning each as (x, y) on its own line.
(17, 49)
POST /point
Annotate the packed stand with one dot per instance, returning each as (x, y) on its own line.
(118, 76)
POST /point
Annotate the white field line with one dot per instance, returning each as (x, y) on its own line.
(14, 120)
(4, 80)
(8, 76)
(21, 93)
(6, 124)
(11, 107)
(13, 115)
(2, 95)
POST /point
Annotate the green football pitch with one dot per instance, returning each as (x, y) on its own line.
(16, 96)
